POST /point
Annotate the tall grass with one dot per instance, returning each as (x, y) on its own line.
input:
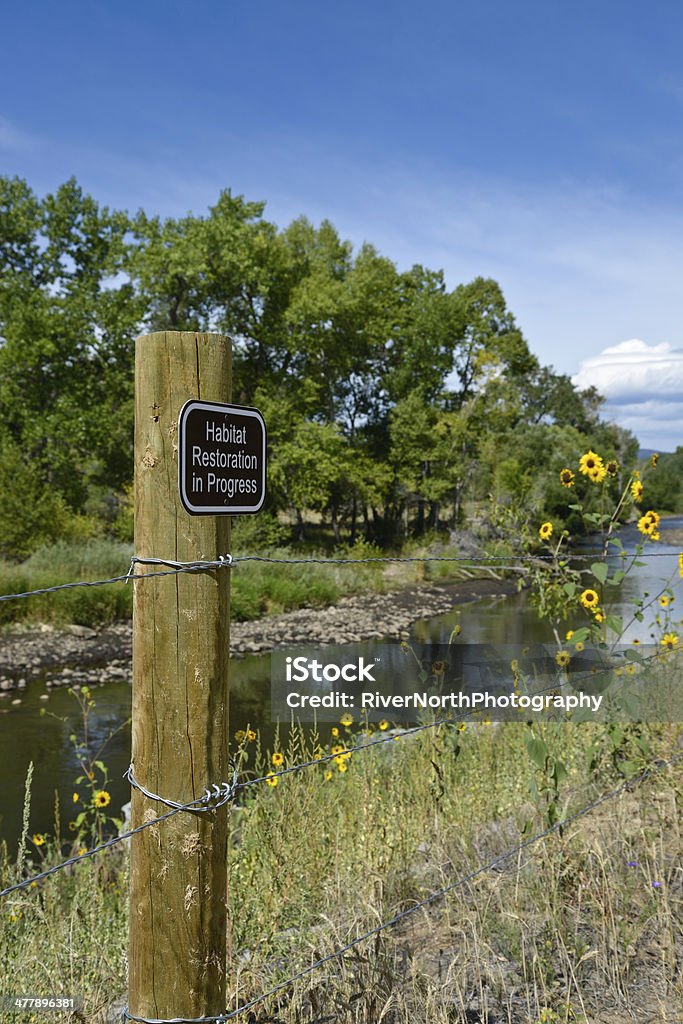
(257, 589)
(583, 926)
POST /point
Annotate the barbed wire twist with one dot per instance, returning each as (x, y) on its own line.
(214, 796)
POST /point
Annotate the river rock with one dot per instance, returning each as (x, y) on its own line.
(78, 654)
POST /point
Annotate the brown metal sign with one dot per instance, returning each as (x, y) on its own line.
(221, 459)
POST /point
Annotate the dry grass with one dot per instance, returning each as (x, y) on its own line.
(571, 929)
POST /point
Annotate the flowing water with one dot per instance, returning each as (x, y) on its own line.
(27, 735)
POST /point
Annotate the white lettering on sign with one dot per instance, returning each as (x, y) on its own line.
(222, 459)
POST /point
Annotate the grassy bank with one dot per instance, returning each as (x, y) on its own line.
(583, 926)
(257, 589)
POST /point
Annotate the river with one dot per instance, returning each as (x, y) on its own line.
(38, 728)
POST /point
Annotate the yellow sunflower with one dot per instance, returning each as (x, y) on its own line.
(589, 462)
(670, 641)
(566, 478)
(272, 779)
(597, 474)
(563, 658)
(637, 490)
(649, 525)
(589, 599)
(545, 531)
(278, 759)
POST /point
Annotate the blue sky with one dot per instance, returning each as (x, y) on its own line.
(537, 143)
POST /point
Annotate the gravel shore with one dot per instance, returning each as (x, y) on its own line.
(66, 657)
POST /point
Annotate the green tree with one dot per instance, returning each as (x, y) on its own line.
(67, 323)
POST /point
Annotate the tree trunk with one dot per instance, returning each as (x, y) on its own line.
(300, 524)
(335, 525)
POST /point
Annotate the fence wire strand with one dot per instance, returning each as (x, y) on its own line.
(500, 563)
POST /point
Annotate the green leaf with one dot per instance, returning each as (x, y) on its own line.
(538, 752)
(559, 773)
(639, 616)
(569, 589)
(628, 768)
(630, 705)
(616, 735)
(615, 623)
(600, 570)
(618, 577)
(643, 746)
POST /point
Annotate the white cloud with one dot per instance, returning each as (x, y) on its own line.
(643, 385)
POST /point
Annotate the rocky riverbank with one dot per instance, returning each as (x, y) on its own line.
(71, 656)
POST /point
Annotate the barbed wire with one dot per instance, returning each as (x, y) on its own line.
(491, 562)
(222, 562)
(484, 561)
(215, 796)
(420, 905)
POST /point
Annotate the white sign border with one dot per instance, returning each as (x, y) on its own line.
(222, 408)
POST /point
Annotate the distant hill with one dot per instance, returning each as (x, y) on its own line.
(645, 453)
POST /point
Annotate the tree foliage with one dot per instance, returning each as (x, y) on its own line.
(390, 400)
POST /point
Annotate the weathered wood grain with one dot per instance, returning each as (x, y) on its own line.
(180, 697)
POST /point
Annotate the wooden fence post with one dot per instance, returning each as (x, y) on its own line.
(181, 623)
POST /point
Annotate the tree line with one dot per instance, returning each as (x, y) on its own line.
(391, 401)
